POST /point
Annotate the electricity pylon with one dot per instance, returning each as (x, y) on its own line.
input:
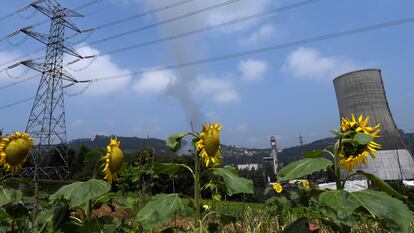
(46, 124)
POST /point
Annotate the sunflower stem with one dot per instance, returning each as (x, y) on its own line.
(197, 195)
(337, 165)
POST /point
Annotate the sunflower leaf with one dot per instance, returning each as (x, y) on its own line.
(363, 138)
(339, 206)
(301, 225)
(9, 195)
(336, 132)
(234, 183)
(79, 193)
(268, 190)
(303, 167)
(382, 185)
(393, 212)
(166, 168)
(159, 210)
(314, 154)
(174, 141)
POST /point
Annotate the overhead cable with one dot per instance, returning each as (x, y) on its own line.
(173, 19)
(201, 30)
(18, 82)
(17, 12)
(296, 43)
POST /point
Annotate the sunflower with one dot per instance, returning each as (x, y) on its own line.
(305, 184)
(14, 150)
(114, 159)
(352, 154)
(277, 187)
(208, 145)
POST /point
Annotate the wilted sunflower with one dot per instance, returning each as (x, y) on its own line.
(114, 159)
(353, 154)
(208, 145)
(14, 150)
(277, 187)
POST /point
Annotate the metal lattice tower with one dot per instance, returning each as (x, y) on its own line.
(46, 124)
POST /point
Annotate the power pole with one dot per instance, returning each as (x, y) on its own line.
(46, 124)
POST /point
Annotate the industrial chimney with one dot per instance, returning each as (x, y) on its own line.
(273, 154)
(362, 92)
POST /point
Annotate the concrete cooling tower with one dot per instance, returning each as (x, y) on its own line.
(362, 92)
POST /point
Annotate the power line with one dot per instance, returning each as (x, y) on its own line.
(261, 50)
(270, 48)
(88, 4)
(16, 103)
(165, 21)
(18, 82)
(119, 21)
(163, 8)
(96, 28)
(17, 12)
(185, 34)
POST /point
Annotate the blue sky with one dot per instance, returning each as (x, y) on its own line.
(280, 92)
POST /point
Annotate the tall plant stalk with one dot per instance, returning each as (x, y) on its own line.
(197, 196)
(337, 165)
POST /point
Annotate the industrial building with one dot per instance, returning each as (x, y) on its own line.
(362, 92)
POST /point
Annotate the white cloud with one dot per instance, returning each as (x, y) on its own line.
(221, 90)
(252, 69)
(154, 81)
(265, 32)
(102, 67)
(309, 63)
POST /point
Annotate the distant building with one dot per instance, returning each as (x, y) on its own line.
(362, 92)
(254, 166)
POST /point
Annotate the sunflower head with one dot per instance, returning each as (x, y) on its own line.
(114, 159)
(208, 145)
(277, 187)
(14, 150)
(305, 184)
(352, 153)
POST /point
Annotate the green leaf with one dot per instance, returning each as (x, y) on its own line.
(299, 226)
(79, 193)
(159, 210)
(166, 168)
(293, 195)
(233, 182)
(363, 138)
(4, 222)
(216, 197)
(174, 141)
(267, 190)
(341, 204)
(301, 168)
(336, 132)
(44, 220)
(392, 211)
(382, 185)
(9, 195)
(314, 154)
(226, 219)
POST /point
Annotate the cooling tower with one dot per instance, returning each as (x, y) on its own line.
(362, 92)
